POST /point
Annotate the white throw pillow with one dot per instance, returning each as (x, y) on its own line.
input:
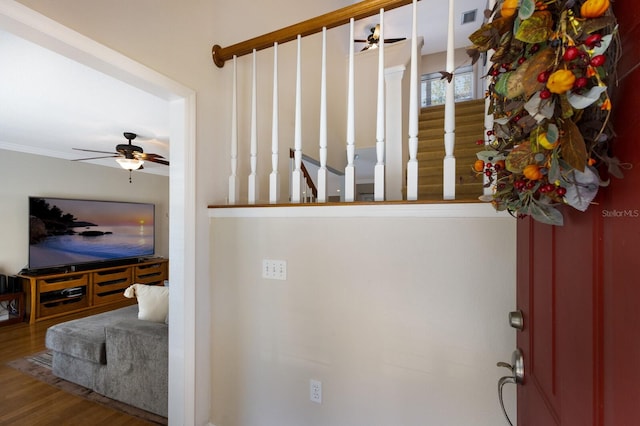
(153, 301)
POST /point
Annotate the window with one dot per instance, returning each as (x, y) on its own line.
(434, 88)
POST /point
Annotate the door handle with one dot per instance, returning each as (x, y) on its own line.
(516, 377)
(516, 319)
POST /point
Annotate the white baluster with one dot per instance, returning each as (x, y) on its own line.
(322, 171)
(378, 185)
(412, 165)
(296, 177)
(253, 179)
(274, 178)
(449, 173)
(350, 171)
(233, 178)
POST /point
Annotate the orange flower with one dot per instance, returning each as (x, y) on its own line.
(606, 105)
(591, 71)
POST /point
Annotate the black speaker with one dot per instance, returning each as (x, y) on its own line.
(3, 284)
(14, 284)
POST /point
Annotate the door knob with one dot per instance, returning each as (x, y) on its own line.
(516, 377)
(516, 319)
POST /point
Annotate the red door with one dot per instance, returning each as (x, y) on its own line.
(579, 285)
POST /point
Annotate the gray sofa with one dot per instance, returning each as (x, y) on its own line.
(116, 355)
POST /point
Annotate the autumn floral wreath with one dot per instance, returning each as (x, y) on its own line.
(551, 65)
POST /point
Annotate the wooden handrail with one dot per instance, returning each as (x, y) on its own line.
(339, 17)
(306, 174)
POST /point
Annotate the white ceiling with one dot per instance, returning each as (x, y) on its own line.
(51, 104)
(432, 19)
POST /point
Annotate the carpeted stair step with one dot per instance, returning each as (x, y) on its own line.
(469, 128)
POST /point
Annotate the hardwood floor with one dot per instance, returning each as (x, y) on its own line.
(27, 401)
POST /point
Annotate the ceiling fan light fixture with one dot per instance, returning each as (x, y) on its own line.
(130, 163)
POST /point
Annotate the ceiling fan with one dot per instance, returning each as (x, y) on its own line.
(373, 39)
(129, 156)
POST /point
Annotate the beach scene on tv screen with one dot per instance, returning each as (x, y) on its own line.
(67, 232)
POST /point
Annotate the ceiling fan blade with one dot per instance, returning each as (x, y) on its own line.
(375, 32)
(145, 156)
(92, 150)
(95, 158)
(360, 41)
(154, 158)
(158, 160)
(394, 40)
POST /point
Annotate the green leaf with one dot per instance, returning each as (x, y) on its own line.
(545, 213)
(589, 26)
(527, 7)
(574, 150)
(582, 188)
(488, 36)
(554, 168)
(582, 101)
(565, 106)
(540, 109)
(446, 75)
(490, 156)
(552, 133)
(474, 54)
(501, 84)
(519, 158)
(536, 29)
(533, 66)
(613, 166)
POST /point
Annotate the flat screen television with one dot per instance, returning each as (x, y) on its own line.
(68, 232)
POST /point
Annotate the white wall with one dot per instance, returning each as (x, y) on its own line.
(23, 175)
(402, 319)
(437, 61)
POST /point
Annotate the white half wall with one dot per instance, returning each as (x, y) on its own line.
(402, 319)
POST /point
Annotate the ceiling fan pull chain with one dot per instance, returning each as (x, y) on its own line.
(129, 176)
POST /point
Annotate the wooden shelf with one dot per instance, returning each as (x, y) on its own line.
(14, 313)
(58, 294)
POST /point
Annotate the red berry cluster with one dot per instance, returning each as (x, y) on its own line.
(548, 189)
(577, 59)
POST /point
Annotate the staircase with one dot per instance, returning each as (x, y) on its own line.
(469, 128)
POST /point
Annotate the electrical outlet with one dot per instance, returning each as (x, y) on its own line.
(274, 269)
(315, 391)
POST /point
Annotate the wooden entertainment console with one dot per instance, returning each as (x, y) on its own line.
(57, 294)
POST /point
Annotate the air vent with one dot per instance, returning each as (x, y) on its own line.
(469, 16)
